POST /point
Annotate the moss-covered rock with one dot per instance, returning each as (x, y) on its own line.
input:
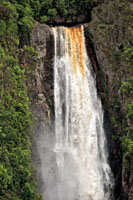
(111, 36)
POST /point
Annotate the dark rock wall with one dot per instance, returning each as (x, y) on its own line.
(69, 21)
(113, 147)
(109, 34)
(41, 87)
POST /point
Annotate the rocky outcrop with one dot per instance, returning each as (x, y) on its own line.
(127, 176)
(69, 21)
(108, 83)
(42, 91)
(98, 69)
(41, 86)
(108, 35)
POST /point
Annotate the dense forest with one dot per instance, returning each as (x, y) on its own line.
(17, 175)
(114, 33)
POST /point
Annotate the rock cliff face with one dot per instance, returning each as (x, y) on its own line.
(100, 69)
(69, 21)
(110, 79)
(109, 34)
(42, 94)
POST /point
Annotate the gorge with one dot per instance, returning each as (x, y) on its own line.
(66, 91)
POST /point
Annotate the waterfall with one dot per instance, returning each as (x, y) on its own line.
(83, 172)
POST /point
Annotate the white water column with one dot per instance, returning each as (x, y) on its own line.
(83, 172)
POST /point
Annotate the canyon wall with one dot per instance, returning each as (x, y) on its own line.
(110, 34)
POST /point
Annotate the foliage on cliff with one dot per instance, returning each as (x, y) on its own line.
(16, 172)
(112, 33)
(65, 8)
(42, 9)
(112, 25)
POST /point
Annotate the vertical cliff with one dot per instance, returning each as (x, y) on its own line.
(41, 88)
(110, 34)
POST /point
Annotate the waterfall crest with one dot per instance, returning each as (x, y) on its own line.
(83, 172)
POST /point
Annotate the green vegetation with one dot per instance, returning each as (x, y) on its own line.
(127, 144)
(40, 10)
(114, 34)
(17, 179)
(65, 8)
(17, 62)
(127, 87)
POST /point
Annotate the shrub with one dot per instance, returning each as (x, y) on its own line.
(2, 27)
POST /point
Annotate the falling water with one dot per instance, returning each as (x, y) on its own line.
(80, 148)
